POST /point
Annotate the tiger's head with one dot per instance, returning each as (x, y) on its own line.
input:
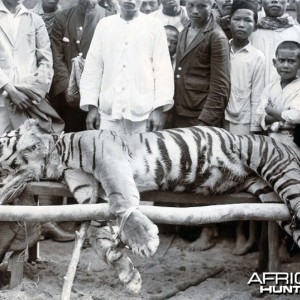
(26, 148)
(25, 157)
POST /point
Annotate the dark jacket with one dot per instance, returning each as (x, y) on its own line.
(202, 75)
(71, 34)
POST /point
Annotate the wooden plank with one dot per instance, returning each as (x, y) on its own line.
(49, 188)
(192, 198)
(61, 189)
(17, 269)
(273, 236)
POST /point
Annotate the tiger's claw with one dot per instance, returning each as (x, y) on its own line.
(140, 234)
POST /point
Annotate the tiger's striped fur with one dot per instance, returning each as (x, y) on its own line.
(202, 160)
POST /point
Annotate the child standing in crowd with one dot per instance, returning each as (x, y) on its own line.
(247, 83)
(172, 37)
(247, 71)
(273, 29)
(172, 13)
(279, 108)
(149, 6)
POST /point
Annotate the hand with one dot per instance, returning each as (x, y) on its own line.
(93, 118)
(157, 120)
(19, 99)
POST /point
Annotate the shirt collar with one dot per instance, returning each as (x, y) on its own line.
(246, 48)
(209, 25)
(22, 9)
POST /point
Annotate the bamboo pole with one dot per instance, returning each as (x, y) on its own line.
(166, 215)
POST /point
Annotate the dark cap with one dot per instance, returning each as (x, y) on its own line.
(245, 4)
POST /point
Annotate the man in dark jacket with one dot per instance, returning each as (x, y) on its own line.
(71, 36)
(202, 83)
(202, 77)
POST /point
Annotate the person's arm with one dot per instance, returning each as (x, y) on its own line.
(44, 60)
(18, 99)
(292, 115)
(61, 73)
(219, 90)
(262, 115)
(272, 115)
(256, 91)
(91, 80)
(163, 80)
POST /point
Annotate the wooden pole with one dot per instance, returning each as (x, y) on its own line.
(166, 215)
(80, 237)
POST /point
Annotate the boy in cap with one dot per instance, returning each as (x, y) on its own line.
(247, 83)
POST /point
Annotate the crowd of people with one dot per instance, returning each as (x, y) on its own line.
(153, 64)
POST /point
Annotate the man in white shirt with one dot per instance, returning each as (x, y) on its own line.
(128, 76)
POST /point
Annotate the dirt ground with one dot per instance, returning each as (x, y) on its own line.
(173, 272)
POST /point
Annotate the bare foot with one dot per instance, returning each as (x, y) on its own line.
(242, 250)
(242, 245)
(205, 241)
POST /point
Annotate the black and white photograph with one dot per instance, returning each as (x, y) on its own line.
(149, 149)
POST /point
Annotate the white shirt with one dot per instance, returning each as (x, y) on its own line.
(13, 22)
(287, 100)
(177, 21)
(12, 19)
(128, 71)
(267, 41)
(247, 83)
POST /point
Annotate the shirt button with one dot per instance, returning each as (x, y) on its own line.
(123, 89)
(80, 54)
(77, 42)
(80, 28)
(126, 43)
(124, 66)
(179, 69)
(177, 76)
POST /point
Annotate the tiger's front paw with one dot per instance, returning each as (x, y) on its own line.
(140, 234)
